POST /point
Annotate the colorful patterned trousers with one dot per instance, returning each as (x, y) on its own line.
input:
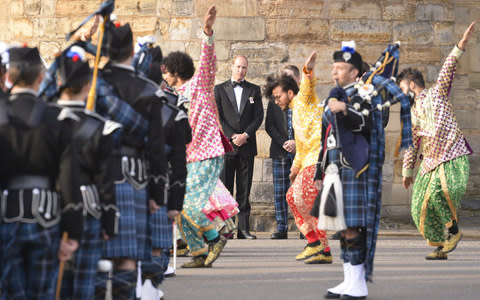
(436, 197)
(301, 197)
(192, 222)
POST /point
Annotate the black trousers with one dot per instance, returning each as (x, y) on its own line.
(239, 170)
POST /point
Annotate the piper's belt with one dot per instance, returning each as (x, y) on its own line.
(130, 151)
(35, 205)
(29, 182)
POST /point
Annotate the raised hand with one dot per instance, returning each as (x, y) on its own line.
(310, 62)
(209, 20)
(466, 36)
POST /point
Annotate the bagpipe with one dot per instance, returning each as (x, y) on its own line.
(48, 89)
(372, 96)
(368, 87)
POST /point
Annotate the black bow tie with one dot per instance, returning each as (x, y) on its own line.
(235, 83)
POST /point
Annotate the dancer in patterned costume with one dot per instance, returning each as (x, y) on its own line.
(205, 152)
(443, 174)
(306, 118)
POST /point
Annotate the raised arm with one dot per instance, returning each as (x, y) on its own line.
(445, 78)
(307, 86)
(205, 77)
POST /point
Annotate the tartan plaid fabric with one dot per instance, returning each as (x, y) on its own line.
(133, 239)
(354, 197)
(112, 107)
(78, 282)
(161, 229)
(155, 268)
(373, 176)
(30, 264)
(281, 183)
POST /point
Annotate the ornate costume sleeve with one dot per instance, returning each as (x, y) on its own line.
(410, 155)
(446, 75)
(307, 88)
(119, 111)
(204, 79)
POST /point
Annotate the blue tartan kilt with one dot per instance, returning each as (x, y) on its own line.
(79, 280)
(29, 265)
(161, 229)
(133, 239)
(354, 198)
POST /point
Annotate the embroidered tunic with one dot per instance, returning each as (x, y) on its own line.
(203, 113)
(434, 123)
(306, 118)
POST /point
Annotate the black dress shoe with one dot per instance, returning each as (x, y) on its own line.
(348, 297)
(279, 235)
(302, 237)
(243, 234)
(330, 295)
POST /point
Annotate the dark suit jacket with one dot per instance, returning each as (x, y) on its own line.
(276, 126)
(247, 120)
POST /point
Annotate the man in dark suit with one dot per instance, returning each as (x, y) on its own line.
(241, 113)
(278, 124)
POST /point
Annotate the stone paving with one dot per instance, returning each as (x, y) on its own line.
(266, 269)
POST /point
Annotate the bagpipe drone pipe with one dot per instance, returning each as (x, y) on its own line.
(48, 89)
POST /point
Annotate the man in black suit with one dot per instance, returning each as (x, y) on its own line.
(241, 113)
(278, 124)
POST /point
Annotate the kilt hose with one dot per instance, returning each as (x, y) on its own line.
(202, 178)
(436, 197)
(161, 239)
(133, 240)
(281, 183)
(30, 261)
(79, 280)
(301, 197)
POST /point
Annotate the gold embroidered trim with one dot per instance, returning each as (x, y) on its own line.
(443, 181)
(423, 213)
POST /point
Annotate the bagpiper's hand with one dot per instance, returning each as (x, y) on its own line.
(406, 182)
(466, 36)
(105, 235)
(209, 20)
(67, 248)
(152, 205)
(171, 214)
(310, 62)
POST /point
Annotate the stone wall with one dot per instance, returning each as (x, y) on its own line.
(274, 33)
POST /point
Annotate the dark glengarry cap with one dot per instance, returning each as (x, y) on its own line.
(349, 55)
(120, 39)
(73, 67)
(24, 55)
